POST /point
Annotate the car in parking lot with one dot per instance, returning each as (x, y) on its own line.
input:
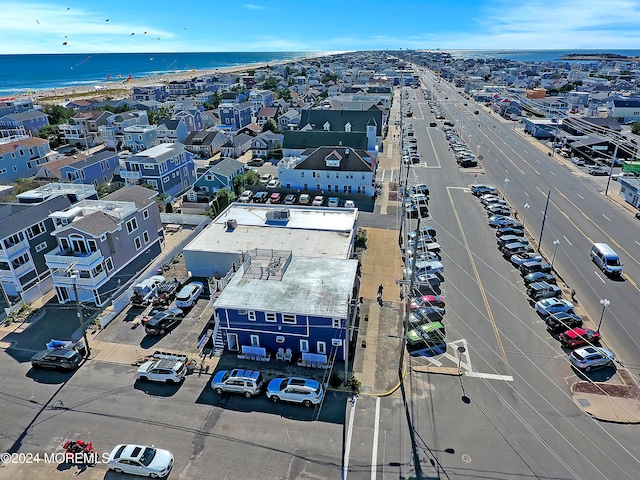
(425, 315)
(163, 321)
(415, 211)
(597, 170)
(482, 189)
(523, 257)
(534, 266)
(305, 199)
(504, 239)
(498, 221)
(498, 210)
(493, 200)
(246, 382)
(58, 358)
(561, 321)
(245, 197)
(295, 390)
(550, 306)
(588, 358)
(426, 301)
(275, 197)
(273, 184)
(349, 204)
(141, 460)
(509, 231)
(290, 199)
(539, 277)
(333, 202)
(256, 162)
(318, 201)
(540, 290)
(578, 337)
(515, 248)
(189, 294)
(266, 178)
(163, 368)
(260, 197)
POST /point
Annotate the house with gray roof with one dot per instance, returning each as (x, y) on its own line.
(21, 123)
(237, 146)
(204, 143)
(95, 169)
(219, 176)
(337, 169)
(172, 131)
(263, 145)
(112, 133)
(101, 244)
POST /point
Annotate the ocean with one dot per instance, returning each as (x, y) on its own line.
(28, 73)
(24, 73)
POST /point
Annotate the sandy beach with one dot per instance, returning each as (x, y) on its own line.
(122, 89)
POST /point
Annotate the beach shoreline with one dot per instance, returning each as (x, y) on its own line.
(121, 88)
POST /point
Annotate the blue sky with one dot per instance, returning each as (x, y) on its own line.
(315, 25)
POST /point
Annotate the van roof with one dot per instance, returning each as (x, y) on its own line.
(605, 249)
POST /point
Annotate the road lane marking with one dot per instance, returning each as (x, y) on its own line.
(347, 446)
(636, 242)
(567, 240)
(525, 192)
(606, 217)
(376, 431)
(552, 174)
(490, 376)
(598, 275)
(580, 196)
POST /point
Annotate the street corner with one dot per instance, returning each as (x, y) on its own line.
(619, 403)
(438, 370)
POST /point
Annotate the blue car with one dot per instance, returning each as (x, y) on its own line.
(549, 306)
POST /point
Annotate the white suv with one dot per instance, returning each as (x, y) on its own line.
(295, 390)
(246, 382)
(189, 295)
(163, 368)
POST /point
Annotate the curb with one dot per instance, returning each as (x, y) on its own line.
(581, 399)
(453, 371)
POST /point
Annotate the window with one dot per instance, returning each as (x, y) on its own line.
(145, 236)
(321, 348)
(35, 230)
(279, 339)
(251, 315)
(147, 166)
(109, 264)
(255, 340)
(145, 214)
(137, 243)
(93, 246)
(304, 345)
(336, 342)
(288, 318)
(41, 246)
(337, 323)
(165, 179)
(132, 225)
(103, 238)
(64, 244)
(270, 317)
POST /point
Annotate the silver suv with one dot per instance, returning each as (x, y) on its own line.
(246, 382)
(295, 390)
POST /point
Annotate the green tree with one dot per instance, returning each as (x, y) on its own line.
(222, 199)
(157, 116)
(51, 133)
(271, 126)
(118, 109)
(57, 114)
(270, 83)
(329, 77)
(214, 102)
(283, 93)
(635, 128)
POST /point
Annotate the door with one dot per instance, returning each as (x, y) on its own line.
(322, 348)
(255, 340)
(304, 345)
(232, 341)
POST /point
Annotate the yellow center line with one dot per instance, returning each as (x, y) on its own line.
(496, 331)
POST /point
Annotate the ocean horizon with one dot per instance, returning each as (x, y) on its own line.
(25, 73)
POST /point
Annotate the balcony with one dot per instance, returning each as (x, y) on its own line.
(63, 279)
(64, 259)
(15, 249)
(130, 175)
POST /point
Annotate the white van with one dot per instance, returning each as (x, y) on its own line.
(606, 258)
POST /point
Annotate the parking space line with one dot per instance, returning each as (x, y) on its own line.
(376, 431)
(347, 446)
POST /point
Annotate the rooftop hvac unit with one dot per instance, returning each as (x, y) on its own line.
(232, 224)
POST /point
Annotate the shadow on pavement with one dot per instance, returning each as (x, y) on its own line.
(49, 376)
(157, 389)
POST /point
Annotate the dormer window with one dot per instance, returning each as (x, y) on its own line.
(326, 126)
(347, 127)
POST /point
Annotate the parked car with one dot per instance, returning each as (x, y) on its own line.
(245, 197)
(539, 277)
(424, 230)
(498, 221)
(498, 210)
(141, 460)
(492, 200)
(295, 390)
(510, 231)
(256, 162)
(349, 204)
(482, 189)
(275, 197)
(578, 161)
(333, 202)
(597, 170)
(521, 258)
(189, 294)
(426, 315)
(168, 369)
(266, 178)
(290, 199)
(426, 301)
(503, 240)
(540, 290)
(237, 380)
(588, 358)
(261, 197)
(515, 248)
(305, 199)
(578, 337)
(163, 321)
(561, 321)
(549, 306)
(166, 293)
(273, 184)
(318, 201)
(59, 358)
(534, 266)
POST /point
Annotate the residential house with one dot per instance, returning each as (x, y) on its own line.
(625, 111)
(101, 244)
(178, 88)
(332, 169)
(192, 118)
(9, 106)
(112, 133)
(140, 137)
(297, 141)
(168, 168)
(265, 143)
(236, 146)
(368, 121)
(21, 123)
(147, 105)
(234, 116)
(51, 170)
(219, 176)
(289, 120)
(172, 131)
(21, 157)
(157, 92)
(82, 105)
(266, 113)
(260, 99)
(95, 169)
(83, 127)
(27, 236)
(205, 144)
(210, 118)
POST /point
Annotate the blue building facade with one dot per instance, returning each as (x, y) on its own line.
(235, 116)
(96, 169)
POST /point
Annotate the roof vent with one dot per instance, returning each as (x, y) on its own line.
(346, 151)
(231, 224)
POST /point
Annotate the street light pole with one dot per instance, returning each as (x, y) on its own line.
(524, 220)
(555, 250)
(74, 278)
(605, 303)
(504, 192)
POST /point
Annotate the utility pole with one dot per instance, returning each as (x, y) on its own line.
(544, 219)
(613, 160)
(74, 277)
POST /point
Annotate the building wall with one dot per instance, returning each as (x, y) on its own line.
(348, 182)
(20, 163)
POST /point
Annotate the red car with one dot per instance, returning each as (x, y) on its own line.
(578, 337)
(275, 197)
(426, 301)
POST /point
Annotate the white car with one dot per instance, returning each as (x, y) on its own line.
(273, 184)
(266, 178)
(295, 390)
(349, 204)
(141, 460)
(169, 369)
(246, 196)
(590, 357)
(333, 202)
(318, 201)
(189, 294)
